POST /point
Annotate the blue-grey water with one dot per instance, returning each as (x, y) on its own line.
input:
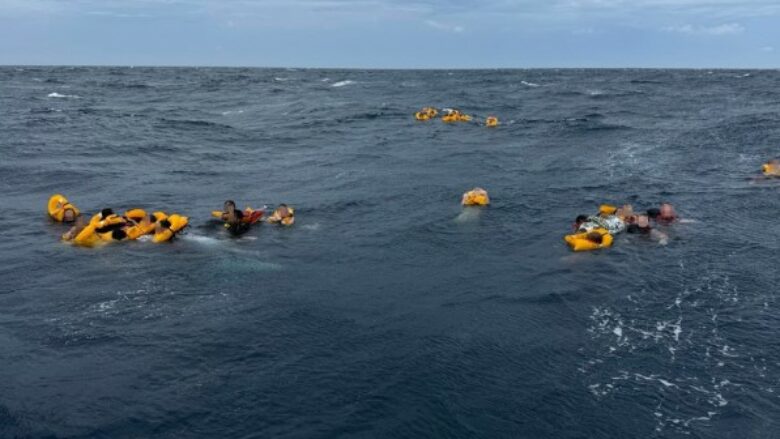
(386, 311)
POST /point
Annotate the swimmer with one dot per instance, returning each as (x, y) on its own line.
(282, 215)
(663, 215)
(475, 197)
(771, 169)
(606, 219)
(109, 221)
(643, 227)
(80, 224)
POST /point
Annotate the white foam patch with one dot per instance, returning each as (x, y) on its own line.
(529, 84)
(280, 79)
(200, 239)
(61, 96)
(315, 226)
(469, 214)
(229, 112)
(342, 83)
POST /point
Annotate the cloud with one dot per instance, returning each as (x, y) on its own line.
(444, 27)
(721, 29)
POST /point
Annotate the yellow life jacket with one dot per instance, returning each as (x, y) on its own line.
(579, 241)
(178, 222)
(475, 198)
(58, 204)
(491, 122)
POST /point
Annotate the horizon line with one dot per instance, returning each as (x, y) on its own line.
(214, 66)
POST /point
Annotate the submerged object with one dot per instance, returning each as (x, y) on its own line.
(491, 121)
(585, 241)
(170, 227)
(475, 197)
(58, 204)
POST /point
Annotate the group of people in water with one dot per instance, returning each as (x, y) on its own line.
(593, 232)
(450, 115)
(590, 232)
(107, 226)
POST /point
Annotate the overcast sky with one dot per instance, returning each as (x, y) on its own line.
(393, 33)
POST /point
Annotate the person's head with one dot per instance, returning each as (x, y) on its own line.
(118, 234)
(630, 219)
(653, 212)
(579, 221)
(594, 237)
(643, 221)
(105, 213)
(667, 212)
(230, 206)
(283, 210)
(625, 211)
(165, 224)
(68, 215)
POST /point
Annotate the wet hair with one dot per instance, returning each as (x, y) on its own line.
(653, 212)
(230, 203)
(165, 223)
(595, 237)
(581, 219)
(282, 205)
(106, 212)
(119, 234)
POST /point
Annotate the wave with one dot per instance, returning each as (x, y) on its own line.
(194, 123)
(61, 96)
(342, 83)
(529, 84)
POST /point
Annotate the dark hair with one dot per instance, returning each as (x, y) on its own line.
(106, 212)
(653, 212)
(152, 218)
(230, 203)
(282, 205)
(119, 234)
(595, 237)
(581, 218)
(165, 223)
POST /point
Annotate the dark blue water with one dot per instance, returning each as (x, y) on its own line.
(386, 311)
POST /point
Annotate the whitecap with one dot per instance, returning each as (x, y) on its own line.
(57, 95)
(229, 112)
(529, 84)
(342, 83)
(280, 79)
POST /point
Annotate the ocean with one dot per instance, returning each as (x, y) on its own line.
(388, 310)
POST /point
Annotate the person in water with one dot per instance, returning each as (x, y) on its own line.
(771, 169)
(234, 218)
(109, 221)
(663, 215)
(642, 227)
(606, 219)
(77, 228)
(283, 214)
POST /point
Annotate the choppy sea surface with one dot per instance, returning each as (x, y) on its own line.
(387, 310)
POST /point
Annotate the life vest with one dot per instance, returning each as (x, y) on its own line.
(58, 204)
